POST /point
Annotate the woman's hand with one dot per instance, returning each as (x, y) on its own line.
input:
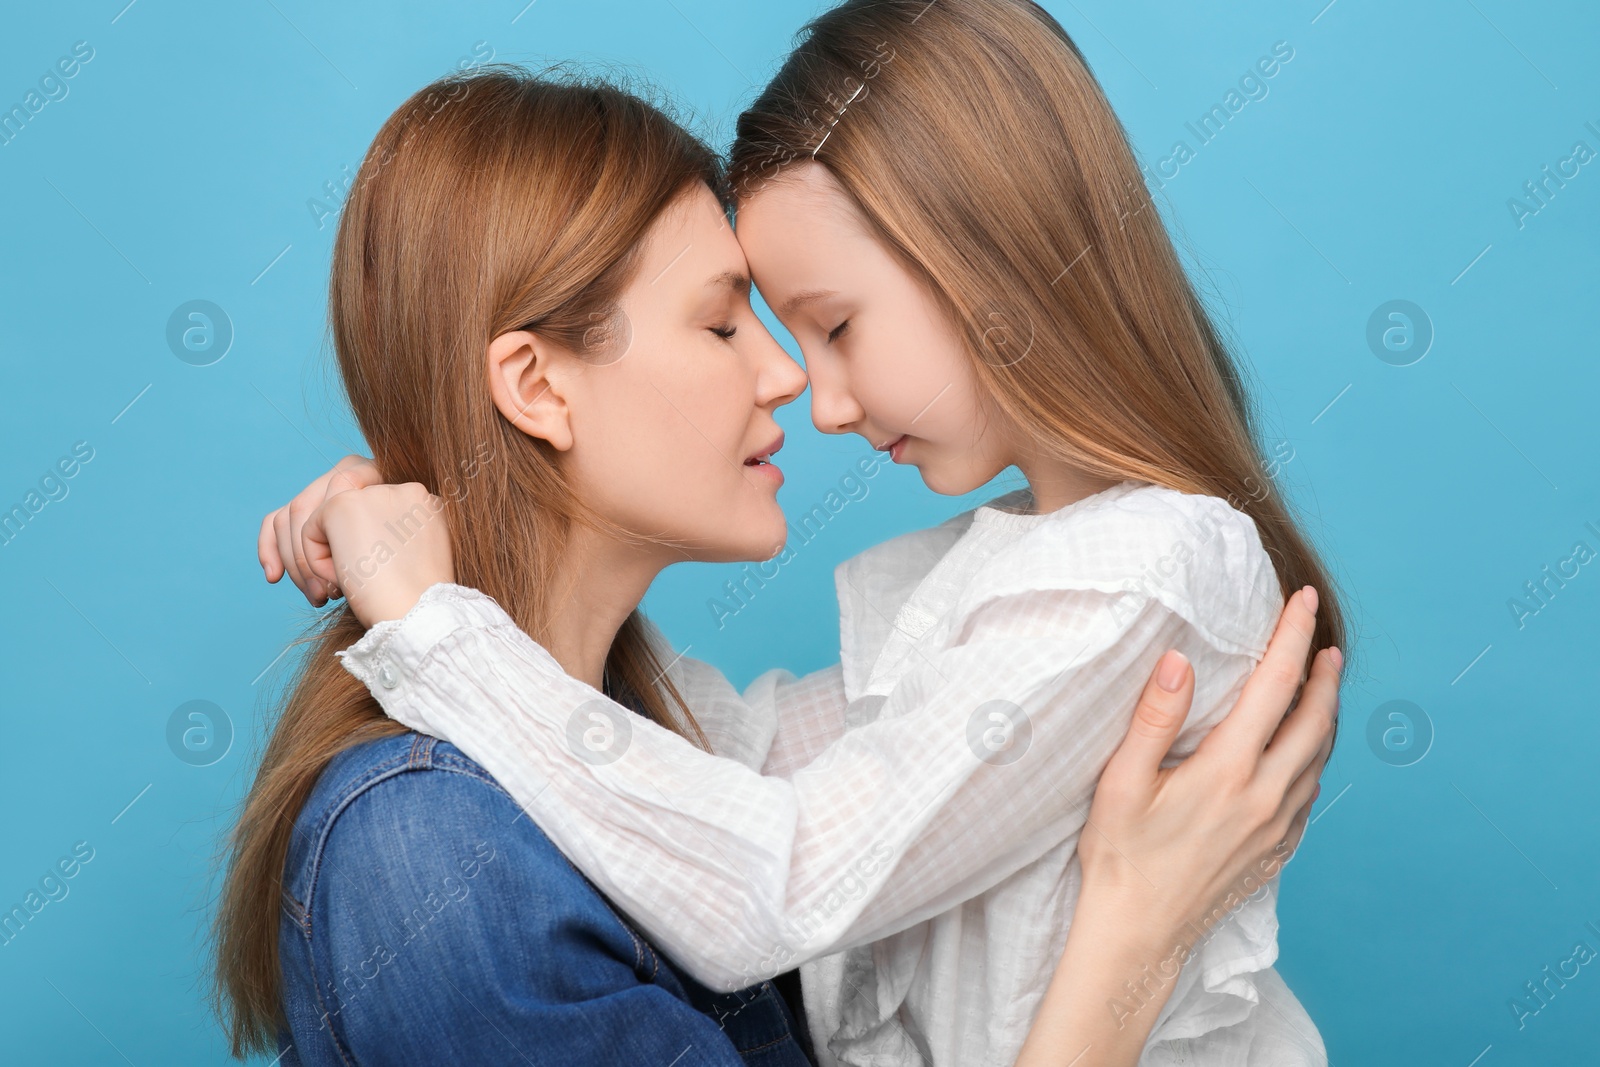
(1168, 852)
(1183, 841)
(347, 533)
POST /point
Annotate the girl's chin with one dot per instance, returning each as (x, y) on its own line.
(960, 482)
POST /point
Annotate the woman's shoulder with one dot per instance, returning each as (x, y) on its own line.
(413, 806)
(1197, 555)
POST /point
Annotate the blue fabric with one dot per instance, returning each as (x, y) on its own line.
(426, 919)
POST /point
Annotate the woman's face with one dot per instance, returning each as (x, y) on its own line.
(884, 360)
(669, 432)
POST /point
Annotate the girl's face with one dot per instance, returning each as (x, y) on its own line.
(884, 360)
(669, 427)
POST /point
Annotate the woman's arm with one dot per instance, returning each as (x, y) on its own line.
(1171, 849)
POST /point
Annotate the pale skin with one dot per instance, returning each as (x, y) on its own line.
(667, 456)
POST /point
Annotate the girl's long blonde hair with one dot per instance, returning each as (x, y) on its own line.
(490, 201)
(978, 145)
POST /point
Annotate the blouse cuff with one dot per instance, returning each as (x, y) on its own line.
(390, 654)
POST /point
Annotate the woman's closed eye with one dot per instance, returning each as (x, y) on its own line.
(724, 332)
(834, 333)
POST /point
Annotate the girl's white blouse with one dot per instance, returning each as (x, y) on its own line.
(903, 825)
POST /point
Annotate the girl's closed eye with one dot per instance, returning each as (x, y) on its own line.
(833, 334)
(724, 332)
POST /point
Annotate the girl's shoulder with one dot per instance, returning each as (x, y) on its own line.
(885, 574)
(1197, 555)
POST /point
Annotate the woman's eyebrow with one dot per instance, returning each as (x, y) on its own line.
(738, 281)
(801, 299)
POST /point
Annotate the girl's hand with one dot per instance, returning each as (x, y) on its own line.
(282, 550)
(380, 546)
(388, 544)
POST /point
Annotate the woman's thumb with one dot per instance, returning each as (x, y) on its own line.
(1159, 716)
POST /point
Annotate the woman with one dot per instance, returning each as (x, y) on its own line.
(544, 397)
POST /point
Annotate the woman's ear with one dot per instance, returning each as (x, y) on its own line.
(527, 382)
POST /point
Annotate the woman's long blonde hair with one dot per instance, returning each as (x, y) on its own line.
(490, 201)
(978, 145)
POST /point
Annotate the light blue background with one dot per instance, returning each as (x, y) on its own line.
(1379, 167)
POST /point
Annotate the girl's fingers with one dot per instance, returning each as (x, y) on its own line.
(281, 546)
(305, 502)
(267, 549)
(1157, 719)
(318, 554)
(351, 472)
(1271, 687)
(280, 531)
(1308, 729)
(313, 531)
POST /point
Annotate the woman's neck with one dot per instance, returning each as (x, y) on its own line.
(605, 581)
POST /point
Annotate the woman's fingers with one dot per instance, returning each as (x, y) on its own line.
(1297, 830)
(1271, 687)
(1157, 719)
(1297, 802)
(1308, 729)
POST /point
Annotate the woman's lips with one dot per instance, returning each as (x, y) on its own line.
(762, 463)
(896, 447)
(768, 471)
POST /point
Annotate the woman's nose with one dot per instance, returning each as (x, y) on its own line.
(782, 380)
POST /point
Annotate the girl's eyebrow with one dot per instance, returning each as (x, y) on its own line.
(801, 299)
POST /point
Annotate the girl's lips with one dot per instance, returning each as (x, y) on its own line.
(896, 447)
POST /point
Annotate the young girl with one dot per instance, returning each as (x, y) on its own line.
(508, 241)
(939, 204)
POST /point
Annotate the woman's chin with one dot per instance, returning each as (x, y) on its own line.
(750, 542)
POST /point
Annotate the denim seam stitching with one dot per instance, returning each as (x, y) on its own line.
(381, 771)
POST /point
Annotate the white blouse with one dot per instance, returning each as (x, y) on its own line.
(903, 826)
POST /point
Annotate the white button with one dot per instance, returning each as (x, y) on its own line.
(386, 677)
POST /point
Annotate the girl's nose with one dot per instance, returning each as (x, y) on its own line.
(833, 408)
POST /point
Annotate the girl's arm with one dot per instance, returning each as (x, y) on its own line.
(741, 876)
(777, 725)
(779, 722)
(810, 713)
